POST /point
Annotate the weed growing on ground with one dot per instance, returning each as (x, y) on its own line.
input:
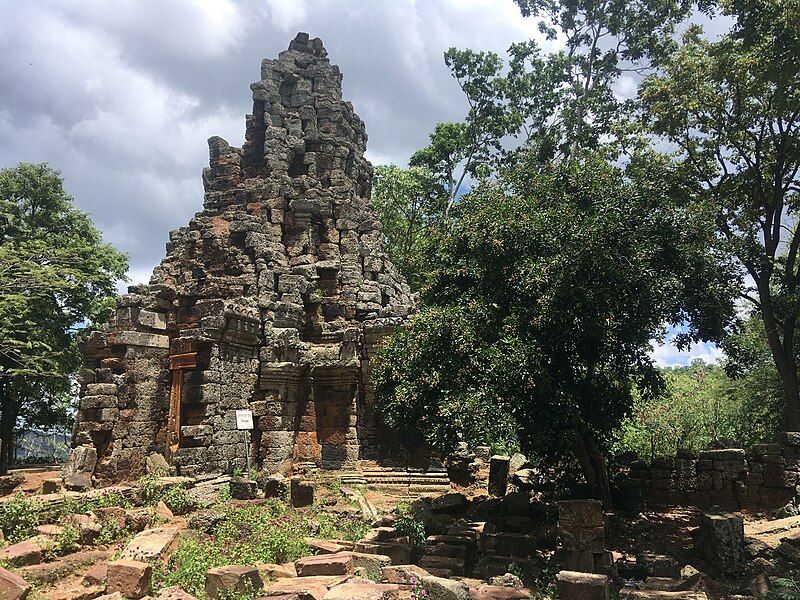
(272, 532)
(784, 588)
(19, 518)
(177, 500)
(409, 524)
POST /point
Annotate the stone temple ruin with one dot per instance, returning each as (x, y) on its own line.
(273, 298)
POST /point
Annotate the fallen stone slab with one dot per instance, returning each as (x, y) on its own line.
(174, 593)
(325, 546)
(451, 503)
(496, 592)
(572, 585)
(325, 564)
(114, 596)
(61, 567)
(403, 574)
(658, 595)
(223, 582)
(21, 554)
(271, 571)
(399, 553)
(439, 588)
(12, 586)
(364, 589)
(151, 544)
(131, 578)
(76, 592)
(308, 588)
(9, 482)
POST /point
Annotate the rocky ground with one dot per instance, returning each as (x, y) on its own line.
(312, 537)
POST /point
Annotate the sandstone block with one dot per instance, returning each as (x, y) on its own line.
(151, 544)
(222, 582)
(363, 589)
(21, 554)
(498, 475)
(12, 586)
(325, 564)
(243, 489)
(571, 585)
(302, 492)
(580, 513)
(130, 578)
(721, 542)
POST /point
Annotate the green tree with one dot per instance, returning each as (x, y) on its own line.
(732, 107)
(550, 285)
(410, 203)
(550, 105)
(56, 277)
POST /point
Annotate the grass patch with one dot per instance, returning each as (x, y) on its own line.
(273, 532)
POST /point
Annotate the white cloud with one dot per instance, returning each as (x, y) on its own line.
(286, 14)
(667, 355)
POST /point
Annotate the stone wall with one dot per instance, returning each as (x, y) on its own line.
(764, 477)
(273, 298)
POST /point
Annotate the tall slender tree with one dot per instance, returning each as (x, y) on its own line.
(56, 277)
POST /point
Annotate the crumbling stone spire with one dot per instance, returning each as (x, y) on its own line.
(273, 298)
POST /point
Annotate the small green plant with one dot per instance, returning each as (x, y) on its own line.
(515, 569)
(67, 540)
(410, 525)
(224, 495)
(19, 518)
(177, 500)
(150, 490)
(784, 589)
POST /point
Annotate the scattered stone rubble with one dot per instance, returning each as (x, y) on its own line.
(272, 299)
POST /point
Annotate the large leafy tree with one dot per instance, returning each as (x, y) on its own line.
(550, 105)
(550, 286)
(411, 204)
(56, 277)
(732, 107)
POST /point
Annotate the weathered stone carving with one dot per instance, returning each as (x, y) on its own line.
(273, 298)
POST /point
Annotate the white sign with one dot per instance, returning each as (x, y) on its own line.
(244, 419)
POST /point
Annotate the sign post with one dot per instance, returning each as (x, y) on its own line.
(244, 421)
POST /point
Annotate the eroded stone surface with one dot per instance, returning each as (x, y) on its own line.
(273, 299)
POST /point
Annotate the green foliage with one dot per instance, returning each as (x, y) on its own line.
(731, 106)
(19, 518)
(412, 526)
(56, 275)
(67, 540)
(177, 500)
(784, 588)
(270, 532)
(701, 404)
(410, 204)
(548, 290)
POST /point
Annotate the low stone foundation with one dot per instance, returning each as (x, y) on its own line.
(764, 477)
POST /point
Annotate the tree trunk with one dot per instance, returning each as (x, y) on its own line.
(594, 467)
(784, 362)
(6, 428)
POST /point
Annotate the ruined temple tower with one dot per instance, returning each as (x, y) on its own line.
(273, 298)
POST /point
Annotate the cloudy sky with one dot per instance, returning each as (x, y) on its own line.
(121, 96)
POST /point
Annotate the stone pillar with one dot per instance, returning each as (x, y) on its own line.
(572, 585)
(498, 475)
(720, 540)
(582, 534)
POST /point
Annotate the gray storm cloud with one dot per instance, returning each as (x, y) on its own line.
(121, 96)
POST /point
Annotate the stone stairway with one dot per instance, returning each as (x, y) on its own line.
(453, 553)
(408, 482)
